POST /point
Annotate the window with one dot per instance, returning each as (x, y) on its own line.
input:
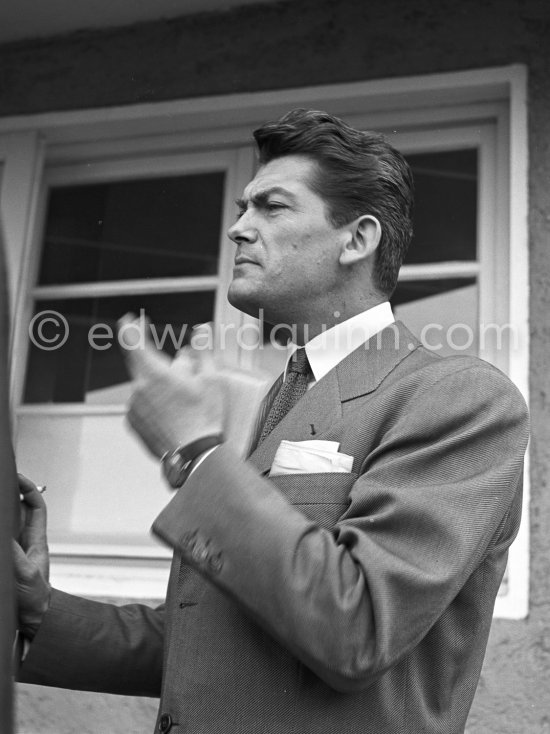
(439, 276)
(99, 198)
(158, 235)
(144, 236)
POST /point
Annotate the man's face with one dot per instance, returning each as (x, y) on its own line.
(286, 260)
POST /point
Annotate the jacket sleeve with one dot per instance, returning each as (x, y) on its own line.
(352, 601)
(91, 646)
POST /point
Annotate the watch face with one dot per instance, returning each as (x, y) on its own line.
(174, 469)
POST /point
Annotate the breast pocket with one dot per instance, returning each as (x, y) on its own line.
(322, 497)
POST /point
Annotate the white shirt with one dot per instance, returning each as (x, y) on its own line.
(330, 347)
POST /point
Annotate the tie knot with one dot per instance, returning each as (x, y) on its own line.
(299, 362)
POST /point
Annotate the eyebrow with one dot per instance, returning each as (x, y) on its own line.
(262, 196)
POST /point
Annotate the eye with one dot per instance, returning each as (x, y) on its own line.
(273, 206)
(241, 209)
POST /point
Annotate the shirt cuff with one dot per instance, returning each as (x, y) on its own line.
(198, 461)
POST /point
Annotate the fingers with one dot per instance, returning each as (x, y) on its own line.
(33, 515)
(203, 346)
(143, 359)
(30, 494)
(186, 360)
(33, 591)
(28, 563)
(19, 555)
(203, 337)
(200, 354)
(25, 484)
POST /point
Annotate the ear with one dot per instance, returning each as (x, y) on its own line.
(363, 238)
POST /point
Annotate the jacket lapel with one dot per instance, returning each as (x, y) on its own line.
(364, 369)
(358, 374)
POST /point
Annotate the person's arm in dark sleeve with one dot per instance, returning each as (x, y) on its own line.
(91, 646)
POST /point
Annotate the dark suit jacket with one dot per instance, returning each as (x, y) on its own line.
(325, 602)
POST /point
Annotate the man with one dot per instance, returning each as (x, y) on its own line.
(341, 585)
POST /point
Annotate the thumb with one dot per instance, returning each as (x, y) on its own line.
(142, 358)
(23, 567)
(198, 356)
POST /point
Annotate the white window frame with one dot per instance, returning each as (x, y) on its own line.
(407, 106)
(104, 569)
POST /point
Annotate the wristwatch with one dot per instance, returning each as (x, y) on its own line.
(178, 463)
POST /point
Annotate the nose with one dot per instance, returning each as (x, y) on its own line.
(242, 231)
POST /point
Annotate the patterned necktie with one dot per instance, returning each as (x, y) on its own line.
(292, 389)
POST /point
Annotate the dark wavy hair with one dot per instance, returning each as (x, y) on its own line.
(357, 173)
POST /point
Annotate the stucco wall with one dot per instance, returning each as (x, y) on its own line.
(307, 42)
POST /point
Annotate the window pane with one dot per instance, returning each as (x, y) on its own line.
(103, 487)
(445, 218)
(149, 228)
(82, 369)
(415, 290)
(443, 314)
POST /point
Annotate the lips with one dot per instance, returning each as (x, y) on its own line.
(242, 259)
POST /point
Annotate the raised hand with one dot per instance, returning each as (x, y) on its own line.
(173, 404)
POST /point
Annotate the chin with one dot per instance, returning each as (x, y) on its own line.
(244, 301)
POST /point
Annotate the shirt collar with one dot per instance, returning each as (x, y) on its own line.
(330, 347)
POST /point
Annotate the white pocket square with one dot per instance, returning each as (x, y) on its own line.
(310, 457)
